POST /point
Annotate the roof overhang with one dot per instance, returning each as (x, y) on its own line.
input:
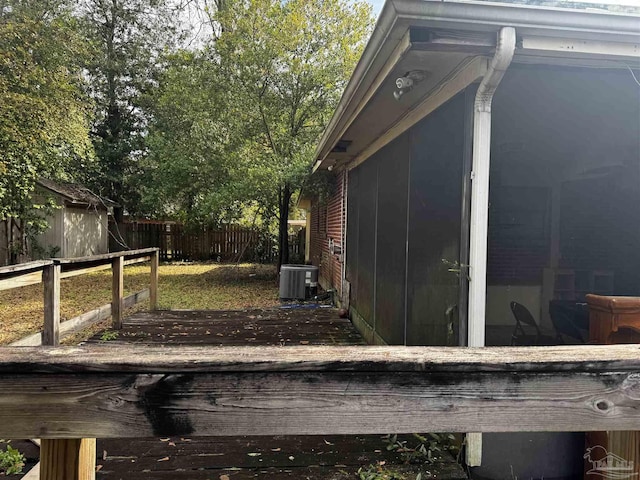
(449, 44)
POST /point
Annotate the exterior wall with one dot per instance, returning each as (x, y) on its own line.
(318, 238)
(72, 232)
(54, 236)
(404, 231)
(499, 298)
(327, 225)
(85, 232)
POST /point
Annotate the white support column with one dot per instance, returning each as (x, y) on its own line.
(480, 206)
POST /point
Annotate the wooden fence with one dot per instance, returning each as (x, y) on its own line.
(229, 243)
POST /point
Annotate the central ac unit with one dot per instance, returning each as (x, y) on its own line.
(297, 281)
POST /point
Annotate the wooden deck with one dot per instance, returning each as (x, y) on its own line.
(240, 458)
(284, 327)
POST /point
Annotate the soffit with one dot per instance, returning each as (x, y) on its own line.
(368, 108)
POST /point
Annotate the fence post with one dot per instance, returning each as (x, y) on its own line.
(153, 287)
(62, 459)
(117, 287)
(68, 459)
(51, 280)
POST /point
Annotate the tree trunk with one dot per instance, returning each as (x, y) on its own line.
(283, 226)
(118, 214)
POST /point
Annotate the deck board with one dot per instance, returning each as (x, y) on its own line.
(241, 458)
(302, 457)
(282, 327)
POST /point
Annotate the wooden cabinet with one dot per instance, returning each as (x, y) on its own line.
(615, 320)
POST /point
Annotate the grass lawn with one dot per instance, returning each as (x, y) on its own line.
(182, 286)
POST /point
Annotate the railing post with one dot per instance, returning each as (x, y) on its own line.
(153, 287)
(62, 459)
(117, 303)
(68, 459)
(51, 280)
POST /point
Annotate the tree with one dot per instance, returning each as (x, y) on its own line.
(188, 171)
(286, 64)
(44, 121)
(200, 16)
(128, 39)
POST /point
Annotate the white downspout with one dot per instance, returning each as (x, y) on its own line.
(480, 184)
(505, 49)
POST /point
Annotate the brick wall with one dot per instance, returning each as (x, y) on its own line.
(519, 235)
(327, 223)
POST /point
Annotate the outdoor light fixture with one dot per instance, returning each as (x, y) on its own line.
(405, 83)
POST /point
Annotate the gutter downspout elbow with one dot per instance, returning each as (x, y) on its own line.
(502, 58)
(500, 62)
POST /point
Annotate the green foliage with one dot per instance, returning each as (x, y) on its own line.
(30, 223)
(426, 449)
(232, 126)
(286, 64)
(11, 461)
(44, 122)
(188, 172)
(109, 335)
(320, 186)
(127, 43)
(41, 251)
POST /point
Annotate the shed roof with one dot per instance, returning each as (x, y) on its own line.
(76, 194)
(450, 43)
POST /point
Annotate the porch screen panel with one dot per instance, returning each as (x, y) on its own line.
(393, 176)
(437, 150)
(366, 251)
(599, 233)
(351, 246)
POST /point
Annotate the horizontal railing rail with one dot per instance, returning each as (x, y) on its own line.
(51, 271)
(30, 273)
(133, 391)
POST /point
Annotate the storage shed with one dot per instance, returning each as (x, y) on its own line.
(490, 156)
(79, 226)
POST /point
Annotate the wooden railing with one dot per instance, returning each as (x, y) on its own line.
(51, 272)
(74, 458)
(68, 396)
(115, 391)
(74, 394)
